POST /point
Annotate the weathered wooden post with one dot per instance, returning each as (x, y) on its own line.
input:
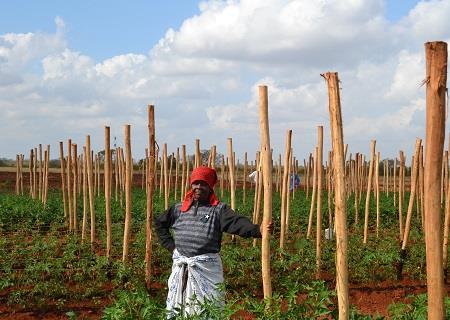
(85, 195)
(313, 196)
(337, 139)
(30, 169)
(183, 174)
(436, 84)
(319, 200)
(150, 189)
(90, 188)
(401, 191)
(285, 188)
(377, 191)
(107, 176)
(414, 176)
(267, 178)
(231, 172)
(244, 178)
(63, 178)
(166, 177)
(177, 165)
(69, 182)
(128, 171)
(369, 184)
(198, 155)
(40, 172)
(75, 184)
(222, 176)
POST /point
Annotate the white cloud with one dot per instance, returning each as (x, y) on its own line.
(203, 77)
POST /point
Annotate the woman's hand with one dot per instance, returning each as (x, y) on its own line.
(269, 227)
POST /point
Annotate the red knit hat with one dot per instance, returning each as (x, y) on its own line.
(207, 175)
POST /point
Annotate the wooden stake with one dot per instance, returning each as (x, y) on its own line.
(401, 187)
(40, 172)
(69, 182)
(222, 176)
(319, 199)
(17, 174)
(436, 84)
(244, 178)
(395, 183)
(30, 169)
(267, 178)
(85, 195)
(90, 188)
(314, 194)
(75, 184)
(337, 139)
(47, 160)
(377, 183)
(285, 188)
(369, 184)
(150, 189)
(183, 174)
(414, 176)
(128, 172)
(231, 172)
(198, 156)
(107, 176)
(166, 178)
(177, 165)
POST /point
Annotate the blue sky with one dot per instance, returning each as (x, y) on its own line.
(103, 28)
(99, 28)
(68, 68)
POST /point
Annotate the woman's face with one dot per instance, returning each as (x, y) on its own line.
(201, 190)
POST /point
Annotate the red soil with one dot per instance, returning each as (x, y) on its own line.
(370, 299)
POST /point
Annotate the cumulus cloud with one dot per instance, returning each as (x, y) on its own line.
(204, 77)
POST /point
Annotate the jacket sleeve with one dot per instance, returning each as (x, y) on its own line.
(233, 223)
(162, 224)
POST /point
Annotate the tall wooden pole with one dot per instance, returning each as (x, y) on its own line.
(47, 160)
(267, 178)
(107, 176)
(128, 172)
(35, 183)
(150, 189)
(377, 191)
(285, 188)
(177, 165)
(369, 185)
(446, 221)
(17, 174)
(436, 84)
(90, 188)
(30, 169)
(85, 195)
(40, 172)
(75, 185)
(69, 182)
(319, 199)
(198, 156)
(222, 176)
(414, 180)
(337, 139)
(63, 178)
(314, 194)
(183, 174)
(244, 179)
(166, 177)
(231, 172)
(401, 191)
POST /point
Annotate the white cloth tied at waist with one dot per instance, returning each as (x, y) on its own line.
(204, 275)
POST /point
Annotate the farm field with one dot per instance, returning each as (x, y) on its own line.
(47, 272)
